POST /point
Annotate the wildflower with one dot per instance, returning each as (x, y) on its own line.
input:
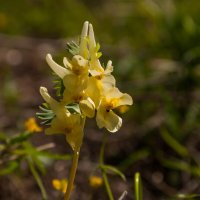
(32, 126)
(95, 181)
(85, 88)
(71, 125)
(60, 185)
(112, 99)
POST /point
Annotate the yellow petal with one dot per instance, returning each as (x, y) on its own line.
(60, 185)
(95, 181)
(57, 127)
(93, 90)
(56, 184)
(87, 107)
(32, 126)
(66, 63)
(85, 29)
(92, 42)
(109, 67)
(125, 99)
(59, 70)
(94, 63)
(75, 137)
(74, 87)
(108, 82)
(51, 101)
(119, 97)
(108, 119)
(83, 51)
(80, 61)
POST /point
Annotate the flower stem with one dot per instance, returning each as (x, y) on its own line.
(37, 178)
(105, 178)
(72, 174)
(107, 185)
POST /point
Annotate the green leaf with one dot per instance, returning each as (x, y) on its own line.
(73, 48)
(20, 138)
(174, 144)
(132, 158)
(54, 156)
(111, 169)
(9, 168)
(39, 164)
(73, 108)
(46, 114)
(138, 186)
(37, 178)
(58, 85)
(99, 54)
(181, 165)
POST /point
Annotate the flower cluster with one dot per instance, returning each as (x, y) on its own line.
(89, 90)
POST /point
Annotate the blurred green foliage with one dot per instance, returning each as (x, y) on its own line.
(155, 49)
(16, 150)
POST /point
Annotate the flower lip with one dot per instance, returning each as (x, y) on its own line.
(85, 29)
(59, 70)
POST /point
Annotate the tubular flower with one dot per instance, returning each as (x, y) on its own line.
(112, 99)
(71, 125)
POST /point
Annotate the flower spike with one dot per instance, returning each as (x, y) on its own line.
(85, 90)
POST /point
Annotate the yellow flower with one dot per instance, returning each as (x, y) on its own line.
(32, 126)
(71, 125)
(95, 181)
(112, 99)
(100, 79)
(60, 185)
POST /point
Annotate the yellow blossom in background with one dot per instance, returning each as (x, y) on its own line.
(60, 185)
(95, 181)
(32, 126)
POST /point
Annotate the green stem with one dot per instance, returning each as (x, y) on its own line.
(72, 174)
(107, 185)
(138, 187)
(105, 178)
(37, 178)
(74, 165)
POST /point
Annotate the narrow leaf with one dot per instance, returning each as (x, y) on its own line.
(109, 168)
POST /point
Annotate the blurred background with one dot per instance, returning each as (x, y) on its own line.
(155, 49)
